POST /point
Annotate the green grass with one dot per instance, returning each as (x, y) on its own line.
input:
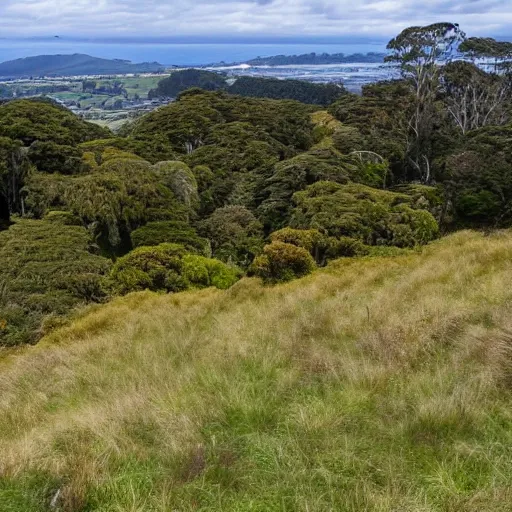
(377, 384)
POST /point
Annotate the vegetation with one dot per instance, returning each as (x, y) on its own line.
(307, 92)
(377, 384)
(316, 59)
(72, 65)
(275, 187)
(282, 262)
(48, 268)
(180, 81)
(170, 268)
(379, 381)
(356, 211)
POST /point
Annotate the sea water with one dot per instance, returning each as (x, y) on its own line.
(174, 53)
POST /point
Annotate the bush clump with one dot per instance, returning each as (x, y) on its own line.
(176, 232)
(282, 262)
(235, 234)
(48, 268)
(170, 268)
(374, 217)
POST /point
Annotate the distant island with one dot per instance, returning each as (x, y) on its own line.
(311, 59)
(72, 65)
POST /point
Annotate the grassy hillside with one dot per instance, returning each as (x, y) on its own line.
(376, 384)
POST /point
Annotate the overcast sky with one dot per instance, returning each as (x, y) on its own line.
(251, 18)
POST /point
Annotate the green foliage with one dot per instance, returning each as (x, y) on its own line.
(14, 167)
(117, 199)
(323, 248)
(306, 92)
(234, 233)
(153, 149)
(168, 267)
(47, 269)
(345, 247)
(486, 48)
(180, 81)
(50, 157)
(479, 180)
(177, 232)
(33, 120)
(375, 217)
(293, 175)
(282, 262)
(376, 121)
(186, 123)
(309, 239)
(347, 139)
(178, 177)
(240, 156)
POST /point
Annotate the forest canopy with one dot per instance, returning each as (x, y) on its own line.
(273, 181)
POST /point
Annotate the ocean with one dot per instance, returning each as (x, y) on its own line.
(173, 53)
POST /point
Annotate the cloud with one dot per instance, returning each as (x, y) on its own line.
(247, 18)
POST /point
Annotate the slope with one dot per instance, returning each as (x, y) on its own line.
(72, 65)
(376, 384)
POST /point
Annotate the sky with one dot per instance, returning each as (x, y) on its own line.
(246, 19)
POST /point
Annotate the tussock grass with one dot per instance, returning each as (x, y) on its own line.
(377, 384)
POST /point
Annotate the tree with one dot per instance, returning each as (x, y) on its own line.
(14, 167)
(234, 233)
(474, 98)
(495, 54)
(418, 52)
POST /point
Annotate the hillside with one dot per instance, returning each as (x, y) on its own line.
(72, 65)
(376, 384)
(249, 86)
(313, 59)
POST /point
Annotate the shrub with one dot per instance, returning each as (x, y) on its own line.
(63, 217)
(347, 139)
(50, 157)
(47, 269)
(203, 272)
(345, 247)
(282, 262)
(168, 267)
(374, 217)
(309, 239)
(414, 227)
(235, 234)
(177, 232)
(36, 120)
(178, 177)
(121, 196)
(321, 247)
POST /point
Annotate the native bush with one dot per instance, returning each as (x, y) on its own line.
(121, 196)
(282, 262)
(50, 157)
(47, 269)
(170, 268)
(177, 232)
(154, 149)
(35, 120)
(375, 217)
(310, 239)
(234, 233)
(295, 174)
(345, 247)
(178, 177)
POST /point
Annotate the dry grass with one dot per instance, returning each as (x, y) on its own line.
(379, 384)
